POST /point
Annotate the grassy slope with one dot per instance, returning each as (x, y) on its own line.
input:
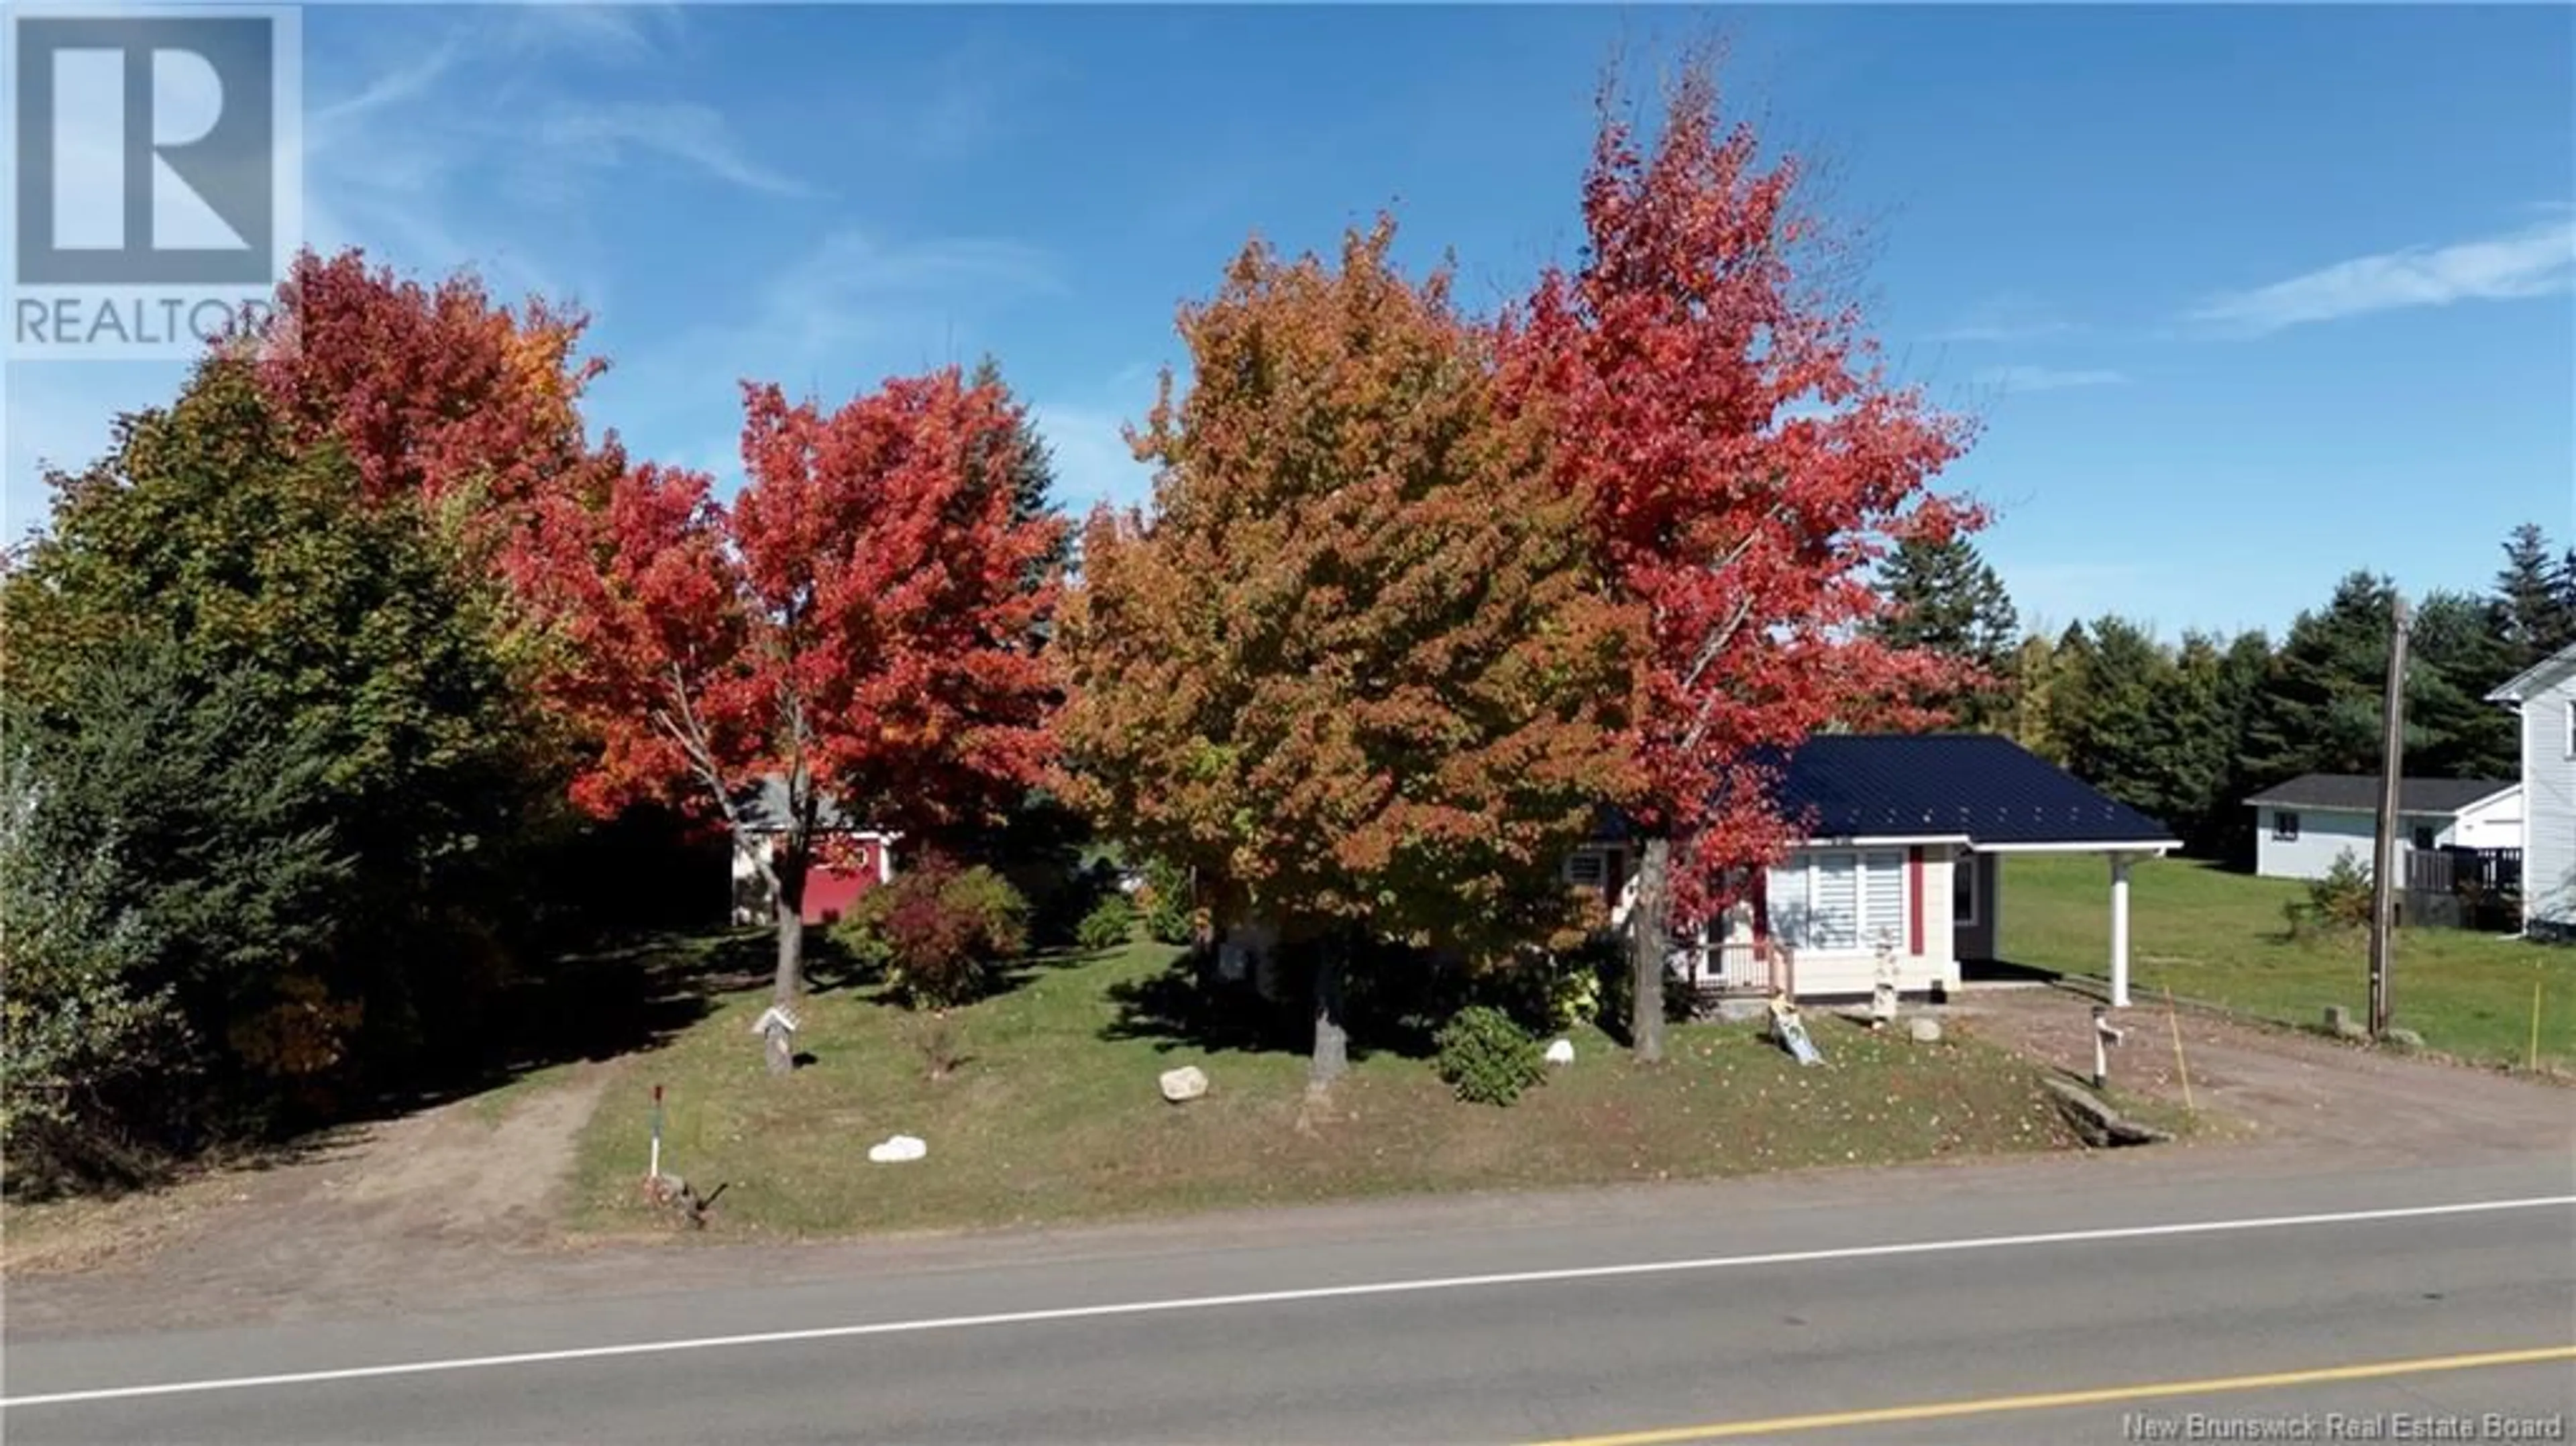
(2218, 936)
(1050, 1120)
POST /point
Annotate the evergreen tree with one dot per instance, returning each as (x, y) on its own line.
(2536, 597)
(2226, 827)
(2321, 709)
(2563, 617)
(1945, 599)
(2119, 741)
(2193, 743)
(1027, 463)
(2458, 649)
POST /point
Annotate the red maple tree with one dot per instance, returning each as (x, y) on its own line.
(444, 397)
(1744, 462)
(857, 626)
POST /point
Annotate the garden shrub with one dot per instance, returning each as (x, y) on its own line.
(1487, 1057)
(938, 931)
(1171, 911)
(2341, 899)
(1111, 923)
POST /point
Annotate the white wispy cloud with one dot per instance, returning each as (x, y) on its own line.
(625, 31)
(853, 309)
(2000, 319)
(694, 134)
(2048, 379)
(2537, 260)
(2001, 331)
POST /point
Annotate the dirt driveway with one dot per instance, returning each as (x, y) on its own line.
(2285, 1086)
(454, 1200)
(459, 1204)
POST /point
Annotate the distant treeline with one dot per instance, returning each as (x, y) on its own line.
(2187, 729)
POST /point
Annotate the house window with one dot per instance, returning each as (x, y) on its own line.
(1963, 888)
(1585, 868)
(2423, 836)
(2285, 826)
(1851, 900)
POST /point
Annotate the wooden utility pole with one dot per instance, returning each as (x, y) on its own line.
(2392, 762)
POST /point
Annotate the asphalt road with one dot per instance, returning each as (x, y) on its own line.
(2109, 1306)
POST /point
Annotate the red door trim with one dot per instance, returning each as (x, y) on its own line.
(1914, 899)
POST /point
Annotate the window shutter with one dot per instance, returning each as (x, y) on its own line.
(1883, 900)
(1837, 921)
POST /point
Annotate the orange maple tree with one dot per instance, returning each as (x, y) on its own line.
(1353, 667)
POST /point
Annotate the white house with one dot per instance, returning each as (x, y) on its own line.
(1903, 835)
(2301, 826)
(2545, 695)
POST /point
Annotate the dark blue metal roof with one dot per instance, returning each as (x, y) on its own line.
(1860, 785)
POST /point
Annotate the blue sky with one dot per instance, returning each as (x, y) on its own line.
(2246, 297)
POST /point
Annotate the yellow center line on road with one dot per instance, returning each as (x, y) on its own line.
(2058, 1400)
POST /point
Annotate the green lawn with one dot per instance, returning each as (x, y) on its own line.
(2220, 937)
(1056, 1115)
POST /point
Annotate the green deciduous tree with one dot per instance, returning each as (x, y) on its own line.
(339, 645)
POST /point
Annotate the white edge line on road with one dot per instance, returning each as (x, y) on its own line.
(1274, 1297)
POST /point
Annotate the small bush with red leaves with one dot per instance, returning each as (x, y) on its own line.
(940, 931)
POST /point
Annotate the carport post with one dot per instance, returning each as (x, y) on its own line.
(2119, 930)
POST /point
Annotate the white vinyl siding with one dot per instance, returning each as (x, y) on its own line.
(2549, 804)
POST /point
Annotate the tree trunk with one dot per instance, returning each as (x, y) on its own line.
(790, 868)
(1332, 1056)
(1649, 932)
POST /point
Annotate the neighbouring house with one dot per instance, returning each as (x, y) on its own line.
(2301, 827)
(2545, 696)
(860, 857)
(1903, 835)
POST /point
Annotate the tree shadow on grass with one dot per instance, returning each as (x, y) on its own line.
(598, 1005)
(1188, 1006)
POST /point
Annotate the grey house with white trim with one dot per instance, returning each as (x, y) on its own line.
(2303, 825)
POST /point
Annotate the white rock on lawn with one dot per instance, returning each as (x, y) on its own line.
(1561, 1052)
(1924, 1028)
(1184, 1084)
(897, 1149)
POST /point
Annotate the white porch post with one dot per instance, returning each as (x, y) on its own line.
(2119, 930)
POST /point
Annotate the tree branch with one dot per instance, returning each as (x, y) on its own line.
(1723, 636)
